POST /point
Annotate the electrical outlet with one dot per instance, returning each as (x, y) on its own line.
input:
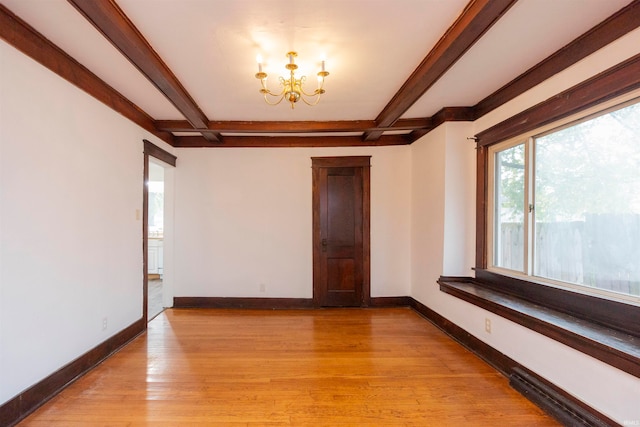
(104, 323)
(487, 325)
(263, 288)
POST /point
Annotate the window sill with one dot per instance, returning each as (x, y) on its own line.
(617, 348)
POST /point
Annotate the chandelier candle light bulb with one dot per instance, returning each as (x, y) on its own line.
(292, 88)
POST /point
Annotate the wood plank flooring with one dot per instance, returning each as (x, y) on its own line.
(154, 306)
(333, 367)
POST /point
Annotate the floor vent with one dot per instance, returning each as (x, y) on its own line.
(553, 402)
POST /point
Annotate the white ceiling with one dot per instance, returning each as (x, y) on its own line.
(371, 47)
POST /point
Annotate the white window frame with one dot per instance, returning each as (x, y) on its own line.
(528, 139)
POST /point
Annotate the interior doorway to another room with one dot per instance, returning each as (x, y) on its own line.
(155, 246)
(157, 230)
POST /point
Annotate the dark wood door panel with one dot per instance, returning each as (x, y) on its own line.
(341, 211)
(340, 273)
(342, 289)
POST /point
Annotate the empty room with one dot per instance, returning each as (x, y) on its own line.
(338, 213)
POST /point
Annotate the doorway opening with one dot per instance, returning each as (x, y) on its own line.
(157, 240)
(155, 236)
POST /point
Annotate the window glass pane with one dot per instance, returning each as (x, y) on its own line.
(509, 209)
(587, 203)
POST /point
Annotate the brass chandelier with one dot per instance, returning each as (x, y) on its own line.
(292, 88)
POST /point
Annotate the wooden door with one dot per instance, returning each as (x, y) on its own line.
(341, 231)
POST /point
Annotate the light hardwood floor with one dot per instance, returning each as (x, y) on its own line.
(154, 306)
(331, 367)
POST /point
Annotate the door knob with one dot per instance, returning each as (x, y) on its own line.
(324, 245)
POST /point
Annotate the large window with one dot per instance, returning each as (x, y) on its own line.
(565, 203)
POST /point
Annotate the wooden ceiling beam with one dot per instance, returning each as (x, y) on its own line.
(615, 81)
(475, 20)
(617, 25)
(447, 114)
(111, 21)
(292, 127)
(27, 40)
(290, 141)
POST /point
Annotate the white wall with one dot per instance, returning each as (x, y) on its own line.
(168, 278)
(459, 188)
(243, 218)
(427, 212)
(443, 159)
(443, 219)
(71, 173)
